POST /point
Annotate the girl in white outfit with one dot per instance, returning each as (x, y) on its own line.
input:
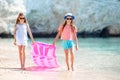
(20, 36)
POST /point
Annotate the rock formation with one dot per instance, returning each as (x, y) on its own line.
(44, 16)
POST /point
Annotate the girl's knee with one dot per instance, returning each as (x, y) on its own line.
(71, 51)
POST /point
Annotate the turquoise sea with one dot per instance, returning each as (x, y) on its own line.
(112, 45)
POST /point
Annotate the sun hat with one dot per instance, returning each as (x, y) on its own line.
(69, 14)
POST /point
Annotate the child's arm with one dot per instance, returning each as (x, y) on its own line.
(15, 34)
(76, 40)
(56, 38)
(30, 33)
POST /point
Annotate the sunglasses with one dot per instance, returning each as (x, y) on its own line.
(22, 18)
(69, 18)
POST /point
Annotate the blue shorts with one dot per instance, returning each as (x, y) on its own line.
(67, 44)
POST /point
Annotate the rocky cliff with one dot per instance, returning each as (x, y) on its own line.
(44, 16)
(9, 10)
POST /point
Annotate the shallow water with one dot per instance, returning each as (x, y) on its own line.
(111, 45)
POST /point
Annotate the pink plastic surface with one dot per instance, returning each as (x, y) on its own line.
(44, 55)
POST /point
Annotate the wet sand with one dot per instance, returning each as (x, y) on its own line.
(89, 65)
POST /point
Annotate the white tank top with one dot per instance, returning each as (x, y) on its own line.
(21, 32)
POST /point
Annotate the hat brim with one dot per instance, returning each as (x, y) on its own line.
(70, 16)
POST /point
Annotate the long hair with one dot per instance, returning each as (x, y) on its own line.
(17, 20)
(72, 25)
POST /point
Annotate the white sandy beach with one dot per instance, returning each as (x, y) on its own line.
(89, 65)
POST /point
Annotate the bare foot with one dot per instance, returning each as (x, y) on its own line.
(23, 67)
(72, 68)
(68, 68)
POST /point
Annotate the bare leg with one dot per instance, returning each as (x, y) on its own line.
(22, 55)
(66, 56)
(72, 59)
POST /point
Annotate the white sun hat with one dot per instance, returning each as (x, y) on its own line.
(69, 14)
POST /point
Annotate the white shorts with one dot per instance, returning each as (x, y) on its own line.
(24, 43)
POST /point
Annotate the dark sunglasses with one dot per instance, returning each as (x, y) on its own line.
(69, 18)
(22, 18)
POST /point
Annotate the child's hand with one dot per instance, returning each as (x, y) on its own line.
(53, 43)
(77, 47)
(33, 42)
(15, 43)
